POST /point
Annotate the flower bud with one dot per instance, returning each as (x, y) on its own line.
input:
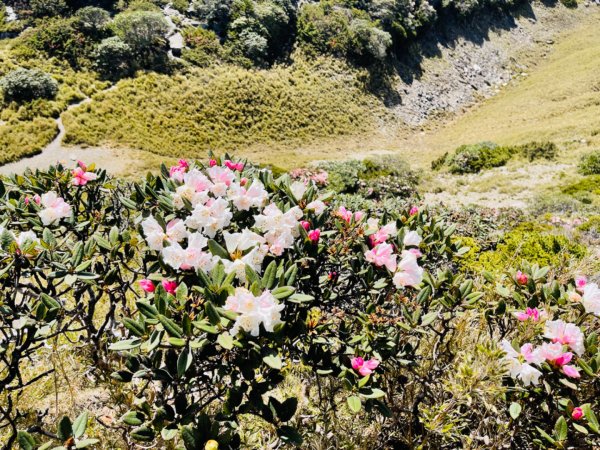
(577, 413)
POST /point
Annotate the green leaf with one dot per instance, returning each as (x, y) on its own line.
(354, 403)
(25, 440)
(65, 429)
(546, 436)
(580, 428)
(514, 410)
(290, 435)
(268, 280)
(428, 318)
(189, 438)
(560, 429)
(217, 250)
(169, 433)
(212, 313)
(85, 443)
(170, 326)
(591, 418)
(184, 362)
(225, 340)
(283, 292)
(274, 361)
(144, 434)
(80, 425)
(374, 393)
(133, 418)
(125, 345)
(300, 298)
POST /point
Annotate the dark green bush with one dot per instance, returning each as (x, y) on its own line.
(92, 20)
(537, 150)
(588, 185)
(476, 157)
(112, 58)
(23, 85)
(590, 163)
(203, 45)
(47, 8)
(569, 3)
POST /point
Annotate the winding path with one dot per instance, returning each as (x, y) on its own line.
(112, 160)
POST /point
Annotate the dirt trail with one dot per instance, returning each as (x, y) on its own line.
(55, 152)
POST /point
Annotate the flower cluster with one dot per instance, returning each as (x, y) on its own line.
(407, 272)
(319, 176)
(81, 175)
(54, 208)
(254, 311)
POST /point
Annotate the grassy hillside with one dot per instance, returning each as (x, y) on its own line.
(558, 100)
(226, 108)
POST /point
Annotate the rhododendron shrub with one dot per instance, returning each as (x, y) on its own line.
(260, 291)
(551, 355)
(64, 247)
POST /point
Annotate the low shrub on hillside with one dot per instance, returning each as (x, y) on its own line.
(590, 163)
(486, 155)
(21, 139)
(23, 85)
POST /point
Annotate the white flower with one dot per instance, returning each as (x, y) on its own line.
(210, 217)
(317, 206)
(591, 298)
(280, 228)
(242, 241)
(191, 257)
(222, 178)
(244, 199)
(156, 236)
(254, 311)
(298, 188)
(518, 364)
(412, 238)
(27, 239)
(55, 208)
(408, 273)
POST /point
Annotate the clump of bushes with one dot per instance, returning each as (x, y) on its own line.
(535, 243)
(24, 85)
(486, 155)
(375, 177)
(590, 163)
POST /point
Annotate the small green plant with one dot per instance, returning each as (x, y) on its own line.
(590, 163)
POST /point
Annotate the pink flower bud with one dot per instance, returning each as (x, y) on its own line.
(183, 163)
(580, 282)
(414, 210)
(169, 286)
(522, 278)
(577, 413)
(314, 235)
(82, 165)
(332, 275)
(27, 200)
(243, 181)
(212, 162)
(147, 285)
(37, 199)
(305, 224)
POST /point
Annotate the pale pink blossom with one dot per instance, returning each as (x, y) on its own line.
(519, 364)
(363, 367)
(344, 214)
(317, 206)
(412, 239)
(254, 311)
(580, 282)
(55, 208)
(565, 333)
(382, 255)
(409, 272)
(358, 215)
(81, 177)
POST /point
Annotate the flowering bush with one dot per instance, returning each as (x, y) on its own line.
(202, 289)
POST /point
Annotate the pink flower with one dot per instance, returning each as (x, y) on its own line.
(521, 278)
(305, 224)
(344, 214)
(234, 166)
(580, 282)
(409, 272)
(212, 163)
(147, 285)
(169, 286)
(414, 210)
(331, 276)
(564, 333)
(571, 371)
(314, 235)
(27, 200)
(358, 215)
(532, 314)
(577, 413)
(81, 177)
(177, 172)
(364, 367)
(82, 165)
(243, 181)
(382, 255)
(37, 199)
(416, 252)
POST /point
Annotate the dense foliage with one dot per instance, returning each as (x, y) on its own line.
(23, 85)
(203, 291)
